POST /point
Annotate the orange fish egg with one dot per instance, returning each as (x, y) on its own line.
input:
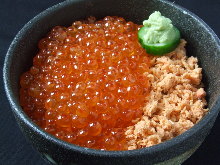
(87, 83)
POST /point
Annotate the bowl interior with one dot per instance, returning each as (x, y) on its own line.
(202, 42)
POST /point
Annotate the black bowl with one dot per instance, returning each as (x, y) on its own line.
(202, 43)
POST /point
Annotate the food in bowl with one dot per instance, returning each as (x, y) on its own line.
(93, 84)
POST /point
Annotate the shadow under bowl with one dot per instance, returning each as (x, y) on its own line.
(202, 43)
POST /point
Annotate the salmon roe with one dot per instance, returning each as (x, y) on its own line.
(87, 82)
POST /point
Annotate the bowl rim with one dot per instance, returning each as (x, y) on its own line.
(16, 108)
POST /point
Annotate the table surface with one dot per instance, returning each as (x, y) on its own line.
(14, 148)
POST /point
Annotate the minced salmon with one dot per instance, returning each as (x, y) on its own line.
(176, 101)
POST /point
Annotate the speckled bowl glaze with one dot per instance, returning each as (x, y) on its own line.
(202, 43)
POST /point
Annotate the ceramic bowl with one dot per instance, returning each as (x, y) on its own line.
(202, 43)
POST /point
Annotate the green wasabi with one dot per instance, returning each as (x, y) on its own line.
(158, 36)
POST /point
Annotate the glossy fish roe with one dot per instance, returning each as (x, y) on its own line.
(87, 82)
